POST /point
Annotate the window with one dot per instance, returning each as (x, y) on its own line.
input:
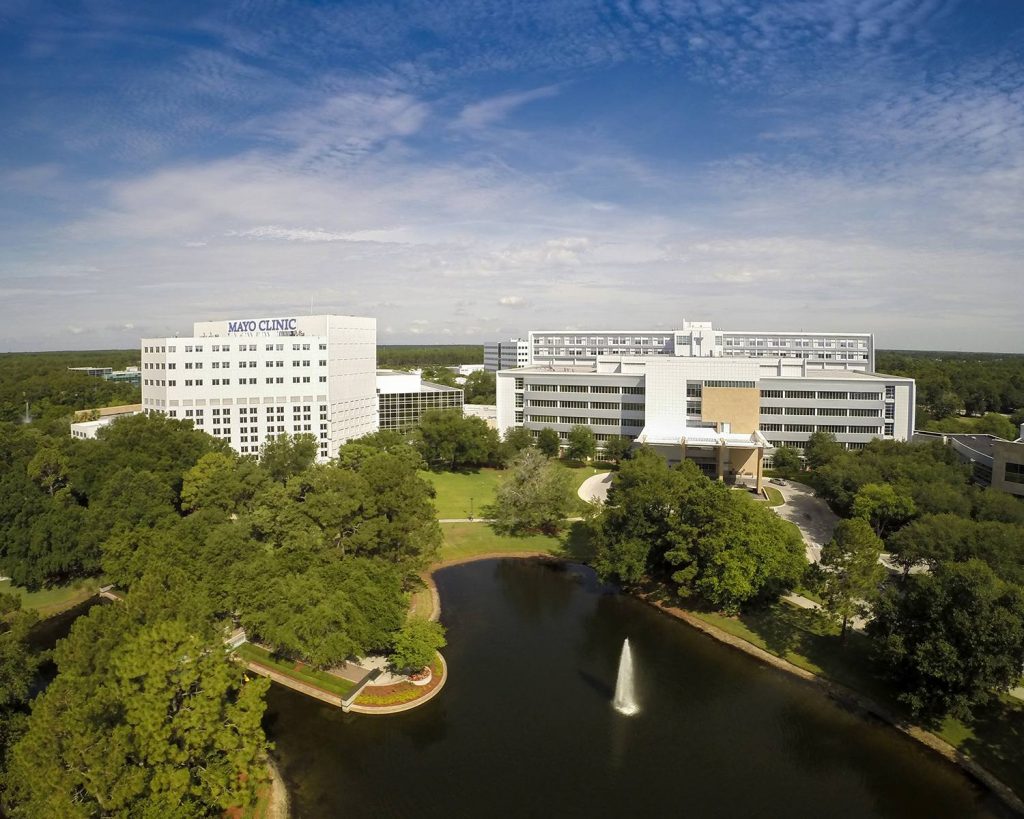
(890, 392)
(1013, 473)
(800, 394)
(771, 410)
(832, 396)
(890, 429)
(771, 393)
(632, 390)
(748, 385)
(606, 422)
(866, 396)
(890, 410)
(632, 407)
(798, 428)
(693, 390)
(799, 411)
(834, 411)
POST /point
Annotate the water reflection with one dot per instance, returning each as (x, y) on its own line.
(524, 726)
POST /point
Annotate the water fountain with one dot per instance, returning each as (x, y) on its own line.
(625, 687)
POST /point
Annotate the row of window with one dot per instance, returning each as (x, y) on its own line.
(226, 348)
(580, 388)
(600, 340)
(782, 341)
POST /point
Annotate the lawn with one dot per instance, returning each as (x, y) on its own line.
(302, 673)
(466, 540)
(774, 496)
(465, 494)
(53, 601)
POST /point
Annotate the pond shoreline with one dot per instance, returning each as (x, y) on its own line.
(848, 697)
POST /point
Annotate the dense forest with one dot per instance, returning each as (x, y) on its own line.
(314, 561)
(429, 355)
(949, 631)
(963, 392)
(52, 391)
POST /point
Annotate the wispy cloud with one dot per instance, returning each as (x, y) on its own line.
(495, 109)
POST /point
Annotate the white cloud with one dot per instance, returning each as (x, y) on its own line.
(495, 109)
(512, 301)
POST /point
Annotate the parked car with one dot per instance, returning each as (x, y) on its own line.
(777, 481)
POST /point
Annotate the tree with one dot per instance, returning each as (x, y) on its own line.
(534, 495)
(618, 448)
(416, 643)
(285, 455)
(786, 458)
(883, 507)
(931, 539)
(449, 440)
(821, 449)
(517, 439)
(548, 442)
(142, 720)
(582, 443)
(221, 481)
(480, 387)
(322, 613)
(951, 640)
(992, 423)
(49, 469)
(852, 573)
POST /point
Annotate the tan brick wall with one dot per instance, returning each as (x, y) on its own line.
(740, 407)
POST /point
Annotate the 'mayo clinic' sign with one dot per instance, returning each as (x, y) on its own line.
(262, 325)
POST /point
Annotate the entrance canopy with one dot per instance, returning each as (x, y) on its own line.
(682, 435)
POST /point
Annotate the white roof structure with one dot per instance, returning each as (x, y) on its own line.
(680, 434)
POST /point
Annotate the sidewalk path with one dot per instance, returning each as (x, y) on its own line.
(810, 514)
(595, 488)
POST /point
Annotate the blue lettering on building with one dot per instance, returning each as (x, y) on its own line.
(265, 325)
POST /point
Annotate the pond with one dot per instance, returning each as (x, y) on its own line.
(525, 727)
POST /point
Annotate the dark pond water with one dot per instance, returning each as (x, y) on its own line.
(525, 728)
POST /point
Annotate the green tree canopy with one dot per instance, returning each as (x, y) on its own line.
(548, 442)
(851, 572)
(582, 443)
(535, 494)
(415, 644)
(142, 720)
(821, 449)
(284, 456)
(885, 508)
(951, 640)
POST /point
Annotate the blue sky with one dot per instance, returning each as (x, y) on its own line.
(468, 170)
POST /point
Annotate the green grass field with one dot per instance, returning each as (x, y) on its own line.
(465, 494)
(306, 674)
(466, 540)
(53, 601)
(460, 494)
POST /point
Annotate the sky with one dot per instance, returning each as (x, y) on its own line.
(464, 171)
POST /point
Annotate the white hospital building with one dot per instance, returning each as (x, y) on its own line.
(699, 339)
(721, 398)
(246, 380)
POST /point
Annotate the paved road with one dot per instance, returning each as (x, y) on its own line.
(811, 515)
(595, 488)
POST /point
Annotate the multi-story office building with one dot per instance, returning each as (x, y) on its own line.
(699, 339)
(247, 380)
(724, 413)
(503, 355)
(403, 397)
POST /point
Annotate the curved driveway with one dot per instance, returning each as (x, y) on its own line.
(811, 515)
(595, 488)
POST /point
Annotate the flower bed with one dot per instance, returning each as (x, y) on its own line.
(381, 696)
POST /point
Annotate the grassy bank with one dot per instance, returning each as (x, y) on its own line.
(995, 738)
(53, 601)
(463, 541)
(467, 493)
(298, 671)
